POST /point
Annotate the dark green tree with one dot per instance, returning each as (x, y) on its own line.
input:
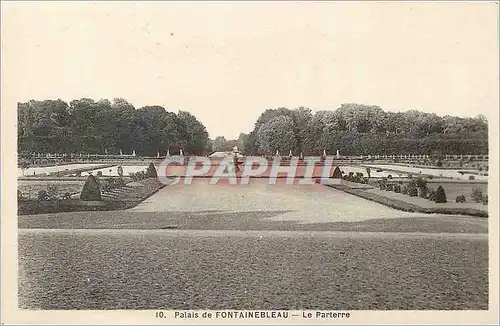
(440, 195)
(151, 171)
(91, 190)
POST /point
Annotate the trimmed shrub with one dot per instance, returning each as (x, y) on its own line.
(112, 183)
(119, 182)
(91, 190)
(99, 173)
(66, 196)
(421, 182)
(106, 185)
(337, 174)
(52, 191)
(138, 176)
(423, 191)
(471, 177)
(151, 171)
(477, 195)
(357, 179)
(397, 188)
(432, 195)
(389, 176)
(382, 183)
(42, 195)
(440, 195)
(460, 199)
(412, 191)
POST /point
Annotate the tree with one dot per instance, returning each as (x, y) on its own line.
(90, 191)
(197, 135)
(412, 190)
(337, 174)
(88, 126)
(477, 195)
(242, 140)
(220, 144)
(440, 195)
(103, 126)
(151, 171)
(277, 134)
(301, 118)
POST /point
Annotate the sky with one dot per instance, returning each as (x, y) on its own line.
(227, 62)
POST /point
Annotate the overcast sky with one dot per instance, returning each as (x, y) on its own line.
(228, 62)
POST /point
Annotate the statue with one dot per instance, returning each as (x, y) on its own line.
(236, 162)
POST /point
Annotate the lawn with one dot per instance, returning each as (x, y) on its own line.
(454, 189)
(131, 269)
(30, 188)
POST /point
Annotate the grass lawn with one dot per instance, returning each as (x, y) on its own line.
(422, 202)
(32, 187)
(131, 269)
(455, 189)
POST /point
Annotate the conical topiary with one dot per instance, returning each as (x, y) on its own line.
(337, 174)
(440, 195)
(151, 171)
(90, 191)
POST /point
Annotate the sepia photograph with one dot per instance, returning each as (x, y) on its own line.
(250, 162)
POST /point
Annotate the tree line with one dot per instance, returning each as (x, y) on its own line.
(356, 129)
(106, 127)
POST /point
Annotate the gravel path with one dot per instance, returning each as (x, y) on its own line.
(313, 203)
(251, 220)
